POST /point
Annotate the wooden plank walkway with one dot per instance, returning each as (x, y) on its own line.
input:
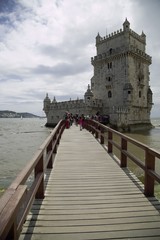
(88, 196)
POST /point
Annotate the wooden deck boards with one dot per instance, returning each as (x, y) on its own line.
(88, 196)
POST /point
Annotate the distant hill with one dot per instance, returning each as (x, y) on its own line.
(12, 114)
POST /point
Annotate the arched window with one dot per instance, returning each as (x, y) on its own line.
(109, 94)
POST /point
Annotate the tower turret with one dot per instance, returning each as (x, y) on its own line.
(149, 98)
(126, 25)
(143, 36)
(88, 96)
(46, 104)
(98, 38)
(54, 100)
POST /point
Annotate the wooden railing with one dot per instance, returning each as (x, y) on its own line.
(18, 198)
(107, 135)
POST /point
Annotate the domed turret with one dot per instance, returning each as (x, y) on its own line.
(88, 95)
(143, 36)
(149, 96)
(54, 100)
(46, 104)
(98, 38)
(126, 25)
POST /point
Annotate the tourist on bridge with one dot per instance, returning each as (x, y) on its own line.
(81, 122)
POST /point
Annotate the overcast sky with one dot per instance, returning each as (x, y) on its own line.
(46, 47)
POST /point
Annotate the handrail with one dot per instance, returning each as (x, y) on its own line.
(17, 200)
(150, 155)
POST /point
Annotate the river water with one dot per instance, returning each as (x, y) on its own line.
(20, 138)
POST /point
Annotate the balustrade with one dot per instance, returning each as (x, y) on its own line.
(17, 200)
(148, 166)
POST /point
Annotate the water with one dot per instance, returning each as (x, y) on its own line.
(149, 137)
(19, 140)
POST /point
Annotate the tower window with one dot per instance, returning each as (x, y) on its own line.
(139, 94)
(109, 94)
(129, 92)
(110, 51)
(108, 79)
(109, 65)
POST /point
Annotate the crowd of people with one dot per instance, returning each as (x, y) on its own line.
(76, 119)
(79, 119)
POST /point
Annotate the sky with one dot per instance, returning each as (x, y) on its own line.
(46, 47)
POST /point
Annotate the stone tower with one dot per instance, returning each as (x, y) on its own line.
(121, 78)
(120, 84)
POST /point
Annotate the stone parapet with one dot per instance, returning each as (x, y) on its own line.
(120, 52)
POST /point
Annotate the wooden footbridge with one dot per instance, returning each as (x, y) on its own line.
(81, 190)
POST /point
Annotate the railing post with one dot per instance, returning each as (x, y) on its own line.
(102, 135)
(59, 133)
(12, 234)
(90, 126)
(96, 130)
(50, 162)
(39, 169)
(110, 136)
(93, 128)
(149, 181)
(123, 156)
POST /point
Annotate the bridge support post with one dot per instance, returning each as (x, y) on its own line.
(149, 181)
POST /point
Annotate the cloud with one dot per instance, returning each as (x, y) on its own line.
(61, 69)
(46, 46)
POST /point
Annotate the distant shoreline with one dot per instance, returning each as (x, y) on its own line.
(12, 114)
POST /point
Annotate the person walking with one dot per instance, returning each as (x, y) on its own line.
(81, 123)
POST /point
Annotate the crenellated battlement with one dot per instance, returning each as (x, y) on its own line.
(72, 104)
(141, 37)
(108, 37)
(67, 104)
(119, 51)
(111, 36)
